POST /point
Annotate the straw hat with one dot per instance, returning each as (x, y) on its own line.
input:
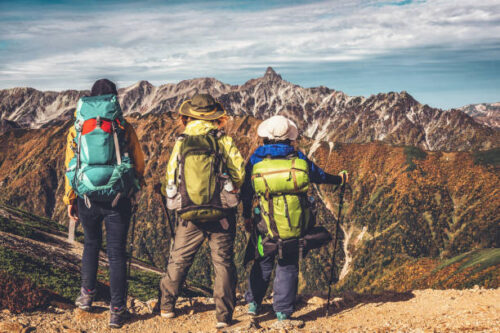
(278, 128)
(202, 106)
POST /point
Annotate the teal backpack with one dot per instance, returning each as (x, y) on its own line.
(101, 170)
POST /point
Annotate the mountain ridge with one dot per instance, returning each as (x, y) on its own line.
(321, 113)
(485, 113)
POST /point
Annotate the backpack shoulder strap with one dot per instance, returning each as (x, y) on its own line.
(180, 155)
(117, 144)
(217, 134)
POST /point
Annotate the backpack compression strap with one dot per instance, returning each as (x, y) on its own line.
(272, 221)
(292, 171)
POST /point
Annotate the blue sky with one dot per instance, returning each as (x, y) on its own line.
(445, 53)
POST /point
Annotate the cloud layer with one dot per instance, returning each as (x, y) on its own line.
(60, 47)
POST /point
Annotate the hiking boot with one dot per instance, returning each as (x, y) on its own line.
(84, 301)
(118, 316)
(253, 308)
(284, 322)
(221, 325)
(167, 314)
(281, 316)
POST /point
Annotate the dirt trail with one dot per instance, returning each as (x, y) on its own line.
(475, 310)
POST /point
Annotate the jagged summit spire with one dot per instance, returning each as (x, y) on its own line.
(271, 75)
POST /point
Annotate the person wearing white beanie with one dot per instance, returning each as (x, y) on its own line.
(277, 132)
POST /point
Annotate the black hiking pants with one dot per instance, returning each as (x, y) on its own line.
(116, 221)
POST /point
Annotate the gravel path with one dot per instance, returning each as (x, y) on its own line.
(474, 310)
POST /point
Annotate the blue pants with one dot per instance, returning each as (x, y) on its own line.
(117, 221)
(285, 282)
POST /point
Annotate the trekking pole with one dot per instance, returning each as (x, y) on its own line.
(134, 210)
(131, 251)
(164, 208)
(332, 272)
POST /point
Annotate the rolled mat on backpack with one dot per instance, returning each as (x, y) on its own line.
(315, 238)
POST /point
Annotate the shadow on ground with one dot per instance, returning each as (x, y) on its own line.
(350, 300)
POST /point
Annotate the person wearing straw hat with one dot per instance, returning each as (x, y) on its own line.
(279, 176)
(204, 170)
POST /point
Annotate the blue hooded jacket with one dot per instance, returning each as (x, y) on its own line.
(276, 150)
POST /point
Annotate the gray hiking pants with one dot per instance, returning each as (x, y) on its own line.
(188, 239)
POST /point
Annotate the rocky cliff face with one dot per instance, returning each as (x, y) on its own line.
(487, 114)
(31, 108)
(321, 113)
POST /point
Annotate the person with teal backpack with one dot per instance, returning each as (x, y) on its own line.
(279, 177)
(104, 169)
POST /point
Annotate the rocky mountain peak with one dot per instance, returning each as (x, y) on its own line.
(322, 114)
(406, 95)
(271, 75)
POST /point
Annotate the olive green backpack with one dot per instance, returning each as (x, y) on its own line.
(200, 178)
(281, 186)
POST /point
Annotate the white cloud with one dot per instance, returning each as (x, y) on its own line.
(170, 40)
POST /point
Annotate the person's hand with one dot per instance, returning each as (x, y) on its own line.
(73, 212)
(248, 225)
(345, 176)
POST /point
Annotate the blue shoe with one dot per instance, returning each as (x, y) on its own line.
(253, 309)
(84, 301)
(281, 316)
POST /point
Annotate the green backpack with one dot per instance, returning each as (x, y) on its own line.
(281, 186)
(200, 178)
(100, 170)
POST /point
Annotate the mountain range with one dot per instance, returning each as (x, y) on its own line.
(322, 114)
(424, 182)
(485, 113)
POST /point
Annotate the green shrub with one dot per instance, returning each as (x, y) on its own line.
(487, 157)
(42, 273)
(413, 153)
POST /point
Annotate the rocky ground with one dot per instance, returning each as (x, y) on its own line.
(474, 310)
